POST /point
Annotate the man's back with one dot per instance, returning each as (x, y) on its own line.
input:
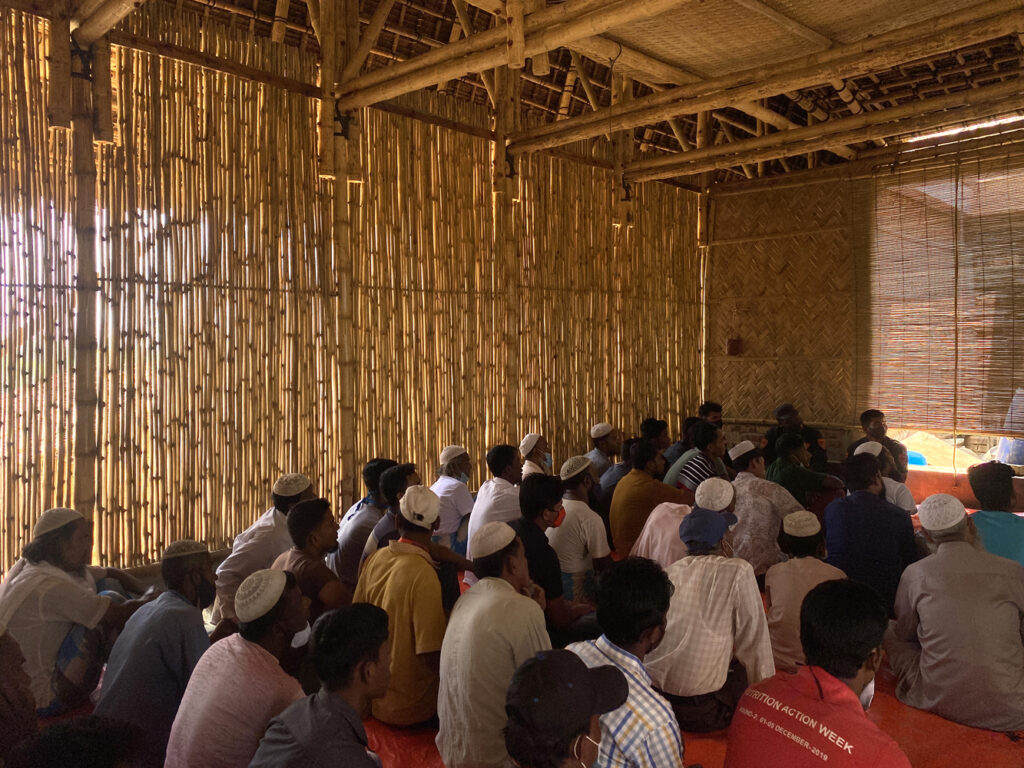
(491, 632)
(870, 540)
(1002, 533)
(636, 495)
(496, 501)
(964, 610)
(760, 507)
(353, 531)
(807, 719)
(254, 548)
(786, 585)
(795, 478)
(401, 579)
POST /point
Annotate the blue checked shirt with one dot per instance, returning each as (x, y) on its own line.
(643, 732)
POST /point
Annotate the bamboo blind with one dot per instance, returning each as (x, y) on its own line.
(218, 343)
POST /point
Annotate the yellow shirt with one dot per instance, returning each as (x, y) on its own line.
(636, 495)
(401, 579)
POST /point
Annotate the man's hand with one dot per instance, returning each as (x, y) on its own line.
(535, 593)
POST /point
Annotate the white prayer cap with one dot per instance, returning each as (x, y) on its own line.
(451, 453)
(600, 430)
(715, 494)
(184, 548)
(291, 484)
(259, 593)
(420, 506)
(492, 537)
(870, 446)
(741, 449)
(940, 511)
(529, 443)
(52, 519)
(801, 524)
(573, 466)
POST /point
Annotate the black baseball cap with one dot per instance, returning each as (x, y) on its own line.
(555, 694)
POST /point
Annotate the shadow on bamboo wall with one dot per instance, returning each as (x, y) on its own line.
(218, 357)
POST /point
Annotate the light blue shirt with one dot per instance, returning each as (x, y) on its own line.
(1002, 533)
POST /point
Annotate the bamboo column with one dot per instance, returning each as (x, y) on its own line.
(87, 287)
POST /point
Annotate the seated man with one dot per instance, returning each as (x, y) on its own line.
(153, 658)
(787, 584)
(791, 422)
(238, 685)
(956, 645)
(684, 443)
(17, 705)
(258, 545)
(702, 461)
(760, 507)
(314, 533)
(540, 501)
(607, 444)
(64, 629)
(456, 500)
(872, 421)
(498, 498)
(553, 706)
(868, 538)
(358, 523)
(655, 431)
(93, 741)
(633, 600)
(536, 455)
(717, 637)
(352, 659)
(816, 716)
(895, 492)
(638, 493)
(1001, 531)
(580, 541)
(496, 626)
(790, 470)
(659, 541)
(393, 482)
(402, 579)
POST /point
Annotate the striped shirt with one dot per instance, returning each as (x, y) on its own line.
(696, 471)
(643, 732)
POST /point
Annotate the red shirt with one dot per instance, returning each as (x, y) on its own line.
(807, 719)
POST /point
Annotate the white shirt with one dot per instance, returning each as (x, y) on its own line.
(456, 503)
(579, 539)
(497, 500)
(38, 607)
(659, 541)
(716, 614)
(254, 549)
(492, 630)
(897, 493)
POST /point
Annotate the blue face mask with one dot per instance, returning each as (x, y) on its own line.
(464, 478)
(547, 460)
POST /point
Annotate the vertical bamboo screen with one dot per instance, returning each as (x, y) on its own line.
(218, 360)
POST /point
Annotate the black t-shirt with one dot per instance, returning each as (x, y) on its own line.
(542, 559)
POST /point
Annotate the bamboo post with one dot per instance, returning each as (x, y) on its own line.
(356, 60)
(515, 34)
(329, 33)
(277, 29)
(59, 105)
(101, 91)
(622, 151)
(86, 287)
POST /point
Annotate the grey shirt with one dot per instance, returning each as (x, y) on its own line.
(353, 532)
(957, 645)
(599, 461)
(318, 731)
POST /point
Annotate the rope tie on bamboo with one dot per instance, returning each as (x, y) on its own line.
(85, 59)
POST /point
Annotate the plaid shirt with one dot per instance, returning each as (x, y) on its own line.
(643, 732)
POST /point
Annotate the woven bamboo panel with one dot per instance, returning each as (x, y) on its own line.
(782, 280)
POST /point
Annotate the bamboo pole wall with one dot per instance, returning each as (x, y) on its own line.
(219, 358)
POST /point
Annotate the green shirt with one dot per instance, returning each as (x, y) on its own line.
(795, 478)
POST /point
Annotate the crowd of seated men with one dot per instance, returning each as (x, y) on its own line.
(586, 615)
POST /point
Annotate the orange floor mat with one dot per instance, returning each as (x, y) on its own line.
(403, 747)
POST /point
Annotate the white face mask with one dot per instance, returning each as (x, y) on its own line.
(868, 694)
(302, 636)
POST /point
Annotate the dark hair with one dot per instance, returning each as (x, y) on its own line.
(704, 434)
(641, 453)
(494, 563)
(500, 457)
(345, 638)
(283, 504)
(173, 570)
(788, 444)
(632, 596)
(47, 547)
(538, 492)
(992, 483)
(394, 481)
(841, 623)
(688, 423)
(257, 629)
(372, 472)
(869, 415)
(530, 748)
(85, 742)
(801, 546)
(627, 450)
(304, 518)
(651, 429)
(742, 463)
(860, 470)
(708, 407)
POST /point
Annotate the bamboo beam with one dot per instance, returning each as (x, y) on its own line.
(540, 65)
(565, 100)
(277, 29)
(515, 33)
(368, 40)
(107, 16)
(786, 22)
(398, 80)
(462, 13)
(875, 54)
(58, 106)
(588, 87)
(313, 10)
(640, 65)
(915, 116)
